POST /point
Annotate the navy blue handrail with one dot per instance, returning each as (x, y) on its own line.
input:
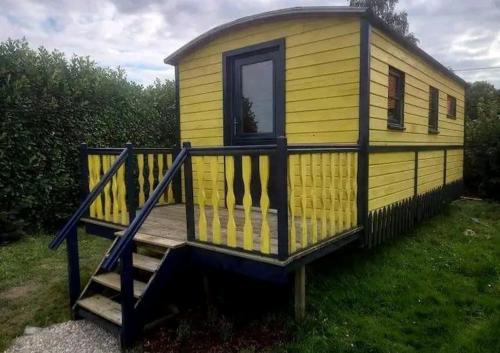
(63, 233)
(138, 221)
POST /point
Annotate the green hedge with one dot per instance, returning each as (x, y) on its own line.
(482, 133)
(49, 105)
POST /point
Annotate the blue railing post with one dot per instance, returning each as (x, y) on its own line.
(177, 182)
(282, 196)
(73, 266)
(128, 331)
(130, 182)
(84, 182)
(126, 267)
(188, 186)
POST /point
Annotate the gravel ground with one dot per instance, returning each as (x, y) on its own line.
(68, 337)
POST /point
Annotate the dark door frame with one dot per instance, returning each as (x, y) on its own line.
(277, 49)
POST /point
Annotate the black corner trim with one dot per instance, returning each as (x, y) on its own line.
(364, 123)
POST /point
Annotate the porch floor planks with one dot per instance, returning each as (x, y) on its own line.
(169, 221)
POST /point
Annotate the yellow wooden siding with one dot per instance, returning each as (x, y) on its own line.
(322, 84)
(430, 170)
(454, 165)
(418, 77)
(391, 178)
(391, 175)
(322, 80)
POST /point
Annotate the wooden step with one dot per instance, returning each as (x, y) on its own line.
(146, 263)
(103, 307)
(112, 280)
(155, 240)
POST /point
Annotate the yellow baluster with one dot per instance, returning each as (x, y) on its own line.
(230, 202)
(202, 219)
(170, 191)
(348, 190)
(324, 199)
(140, 167)
(341, 192)
(333, 168)
(98, 200)
(160, 175)
(122, 195)
(214, 173)
(291, 202)
(355, 189)
(107, 187)
(114, 191)
(151, 176)
(303, 199)
(265, 238)
(314, 216)
(92, 182)
(247, 204)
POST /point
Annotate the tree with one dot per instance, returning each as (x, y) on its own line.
(386, 10)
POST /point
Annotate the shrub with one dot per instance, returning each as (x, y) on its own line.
(49, 105)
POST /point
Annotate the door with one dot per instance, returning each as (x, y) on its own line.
(254, 106)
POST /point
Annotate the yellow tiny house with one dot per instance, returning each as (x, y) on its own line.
(301, 131)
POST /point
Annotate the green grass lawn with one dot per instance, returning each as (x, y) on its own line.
(33, 282)
(435, 289)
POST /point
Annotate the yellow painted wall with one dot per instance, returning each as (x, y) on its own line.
(391, 175)
(321, 85)
(391, 178)
(322, 80)
(418, 77)
(430, 170)
(454, 165)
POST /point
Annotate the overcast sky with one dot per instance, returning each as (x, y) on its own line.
(138, 34)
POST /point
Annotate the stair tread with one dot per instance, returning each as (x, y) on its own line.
(112, 280)
(144, 262)
(155, 240)
(103, 307)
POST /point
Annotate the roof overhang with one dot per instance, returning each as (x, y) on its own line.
(308, 11)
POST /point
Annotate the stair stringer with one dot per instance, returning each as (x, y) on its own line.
(174, 262)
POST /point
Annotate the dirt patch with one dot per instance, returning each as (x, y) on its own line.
(18, 291)
(194, 333)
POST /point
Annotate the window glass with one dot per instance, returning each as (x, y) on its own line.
(395, 98)
(452, 107)
(433, 108)
(257, 97)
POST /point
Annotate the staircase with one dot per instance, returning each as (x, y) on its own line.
(101, 298)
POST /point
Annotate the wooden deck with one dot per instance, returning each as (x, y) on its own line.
(167, 224)
(169, 221)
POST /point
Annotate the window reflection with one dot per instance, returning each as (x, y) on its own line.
(257, 97)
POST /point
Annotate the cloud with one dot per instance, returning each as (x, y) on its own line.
(137, 34)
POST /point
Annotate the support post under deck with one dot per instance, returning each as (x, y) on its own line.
(300, 293)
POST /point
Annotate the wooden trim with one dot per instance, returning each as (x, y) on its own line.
(415, 175)
(364, 122)
(277, 47)
(282, 197)
(412, 148)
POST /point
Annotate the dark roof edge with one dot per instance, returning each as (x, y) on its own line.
(312, 11)
(401, 40)
(261, 17)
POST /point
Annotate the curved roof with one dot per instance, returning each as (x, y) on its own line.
(261, 17)
(313, 11)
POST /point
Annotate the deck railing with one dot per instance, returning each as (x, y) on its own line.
(272, 200)
(322, 184)
(150, 165)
